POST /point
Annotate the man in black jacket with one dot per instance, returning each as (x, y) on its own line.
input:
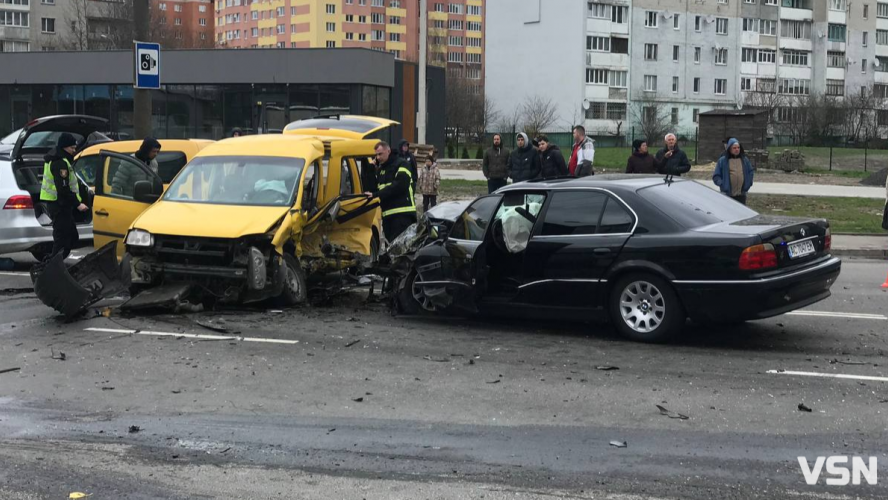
(395, 192)
(553, 164)
(524, 162)
(671, 160)
(496, 165)
(61, 193)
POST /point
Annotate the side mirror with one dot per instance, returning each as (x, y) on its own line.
(439, 233)
(143, 192)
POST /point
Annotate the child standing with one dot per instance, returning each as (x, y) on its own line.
(429, 181)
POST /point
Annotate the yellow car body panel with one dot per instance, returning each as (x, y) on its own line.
(215, 221)
(305, 127)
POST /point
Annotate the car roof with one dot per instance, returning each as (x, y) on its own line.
(188, 146)
(287, 146)
(345, 126)
(627, 182)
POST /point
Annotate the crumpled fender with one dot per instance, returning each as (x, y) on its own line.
(70, 290)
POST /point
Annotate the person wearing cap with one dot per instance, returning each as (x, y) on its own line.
(127, 174)
(733, 173)
(60, 191)
(641, 161)
(524, 162)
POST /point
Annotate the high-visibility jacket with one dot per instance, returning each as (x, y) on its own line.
(48, 191)
(396, 187)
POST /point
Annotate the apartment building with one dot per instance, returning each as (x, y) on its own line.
(15, 25)
(687, 56)
(184, 23)
(456, 28)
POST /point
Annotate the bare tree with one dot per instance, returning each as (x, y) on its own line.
(77, 17)
(859, 116)
(455, 106)
(537, 114)
(769, 101)
(481, 115)
(652, 117)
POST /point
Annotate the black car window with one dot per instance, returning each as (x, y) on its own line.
(472, 224)
(615, 219)
(574, 213)
(694, 205)
(87, 166)
(169, 163)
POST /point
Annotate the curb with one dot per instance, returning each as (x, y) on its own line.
(861, 253)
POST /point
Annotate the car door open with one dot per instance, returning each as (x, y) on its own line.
(125, 187)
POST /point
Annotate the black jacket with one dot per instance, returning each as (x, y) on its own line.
(496, 163)
(676, 165)
(524, 163)
(395, 185)
(410, 160)
(62, 176)
(553, 164)
(641, 164)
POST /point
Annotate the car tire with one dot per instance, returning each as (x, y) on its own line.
(410, 298)
(295, 286)
(374, 249)
(645, 308)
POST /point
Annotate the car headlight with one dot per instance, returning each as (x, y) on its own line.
(139, 238)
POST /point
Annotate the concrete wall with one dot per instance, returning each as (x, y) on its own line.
(537, 48)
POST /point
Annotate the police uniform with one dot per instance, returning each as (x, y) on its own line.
(60, 191)
(396, 196)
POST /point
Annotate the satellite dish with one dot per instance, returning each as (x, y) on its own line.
(586, 104)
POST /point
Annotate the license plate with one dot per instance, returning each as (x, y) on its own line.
(800, 249)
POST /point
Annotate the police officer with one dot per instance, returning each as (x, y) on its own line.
(61, 193)
(395, 192)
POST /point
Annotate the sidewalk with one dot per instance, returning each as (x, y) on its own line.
(758, 188)
(865, 247)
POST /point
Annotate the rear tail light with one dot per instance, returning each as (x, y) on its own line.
(758, 257)
(19, 202)
(827, 240)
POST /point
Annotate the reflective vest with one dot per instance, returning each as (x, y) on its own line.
(48, 187)
(399, 206)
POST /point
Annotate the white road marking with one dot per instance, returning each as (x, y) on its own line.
(878, 317)
(195, 336)
(830, 375)
(4, 273)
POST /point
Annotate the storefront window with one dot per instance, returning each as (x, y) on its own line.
(43, 101)
(159, 118)
(303, 102)
(180, 119)
(123, 103)
(20, 100)
(335, 100)
(236, 108)
(97, 99)
(5, 112)
(208, 111)
(271, 107)
(70, 99)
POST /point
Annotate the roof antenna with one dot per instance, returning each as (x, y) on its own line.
(668, 179)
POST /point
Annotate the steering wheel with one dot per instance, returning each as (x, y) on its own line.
(498, 235)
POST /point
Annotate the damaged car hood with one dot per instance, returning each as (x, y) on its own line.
(208, 221)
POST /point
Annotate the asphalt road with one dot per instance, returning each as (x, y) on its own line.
(345, 401)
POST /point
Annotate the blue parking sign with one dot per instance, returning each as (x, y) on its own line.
(147, 65)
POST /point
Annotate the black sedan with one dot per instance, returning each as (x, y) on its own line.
(646, 252)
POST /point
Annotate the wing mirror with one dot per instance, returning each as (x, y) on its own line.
(143, 192)
(438, 232)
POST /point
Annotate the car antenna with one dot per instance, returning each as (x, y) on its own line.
(668, 179)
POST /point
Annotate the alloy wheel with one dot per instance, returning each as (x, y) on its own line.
(419, 296)
(642, 306)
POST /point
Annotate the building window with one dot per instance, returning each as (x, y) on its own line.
(768, 27)
(675, 22)
(882, 10)
(650, 83)
(455, 24)
(473, 42)
(598, 43)
(47, 2)
(454, 41)
(620, 14)
(178, 21)
(721, 57)
(675, 52)
(771, 2)
(281, 29)
(47, 25)
(835, 87)
(746, 84)
(618, 79)
(280, 12)
(865, 38)
(292, 11)
(880, 91)
(650, 19)
(455, 57)
(349, 36)
(255, 32)
(349, 18)
(331, 44)
(695, 115)
(331, 27)
(200, 8)
(178, 8)
(596, 76)
(331, 8)
(837, 4)
(599, 10)
(473, 58)
(881, 37)
(674, 84)
(836, 32)
(377, 3)
(163, 6)
(362, 19)
(473, 10)
(837, 59)
(596, 111)
(768, 85)
(795, 58)
(362, 37)
(863, 65)
(394, 20)
(616, 111)
(696, 85)
(255, 15)
(377, 18)
(793, 86)
(202, 22)
(866, 11)
(473, 26)
(698, 24)
(749, 55)
(674, 116)
(455, 8)
(378, 36)
(697, 53)
(800, 30)
(396, 37)
(721, 86)
(750, 25)
(650, 51)
(721, 26)
(767, 56)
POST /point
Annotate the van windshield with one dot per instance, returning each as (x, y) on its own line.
(238, 180)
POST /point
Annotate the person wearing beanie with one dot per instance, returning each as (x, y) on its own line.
(733, 172)
(128, 175)
(641, 162)
(524, 162)
(60, 191)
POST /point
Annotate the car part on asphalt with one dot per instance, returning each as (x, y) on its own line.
(70, 290)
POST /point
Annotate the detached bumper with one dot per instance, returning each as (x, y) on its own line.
(724, 301)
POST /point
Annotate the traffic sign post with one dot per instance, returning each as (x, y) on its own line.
(147, 65)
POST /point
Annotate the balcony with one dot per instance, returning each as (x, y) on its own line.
(15, 33)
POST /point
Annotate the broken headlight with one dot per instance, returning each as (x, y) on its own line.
(139, 238)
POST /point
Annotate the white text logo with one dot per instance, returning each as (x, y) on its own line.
(837, 469)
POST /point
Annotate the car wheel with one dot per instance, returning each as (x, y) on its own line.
(374, 248)
(411, 299)
(295, 289)
(645, 308)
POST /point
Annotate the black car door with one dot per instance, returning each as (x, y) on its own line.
(581, 236)
(454, 273)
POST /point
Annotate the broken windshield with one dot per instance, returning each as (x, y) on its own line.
(238, 180)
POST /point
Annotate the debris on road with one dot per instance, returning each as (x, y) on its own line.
(358, 400)
(275, 311)
(436, 360)
(76, 495)
(804, 408)
(212, 327)
(671, 414)
(353, 342)
(171, 296)
(106, 388)
(134, 429)
(61, 356)
(607, 368)
(836, 361)
(619, 444)
(8, 370)
(495, 382)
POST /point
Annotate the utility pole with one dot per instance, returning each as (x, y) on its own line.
(421, 113)
(141, 97)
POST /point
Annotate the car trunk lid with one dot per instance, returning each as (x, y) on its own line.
(795, 240)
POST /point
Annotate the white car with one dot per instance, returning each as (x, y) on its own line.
(24, 224)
